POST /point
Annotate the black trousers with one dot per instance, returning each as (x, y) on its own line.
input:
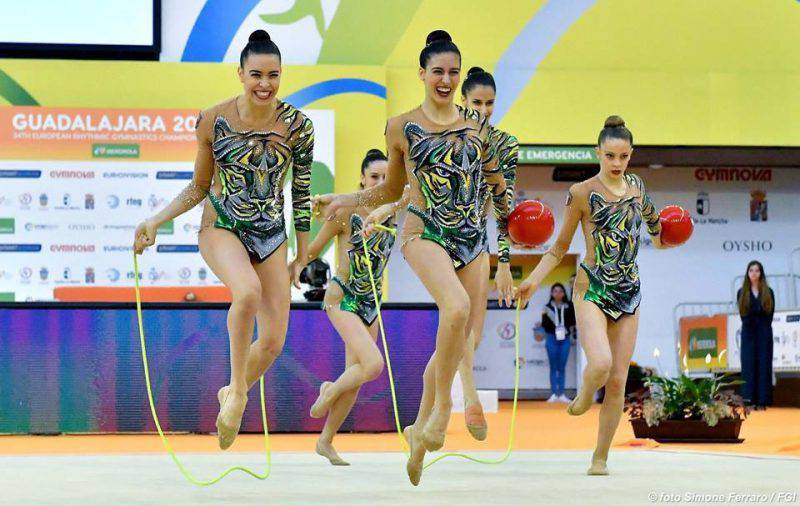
(757, 364)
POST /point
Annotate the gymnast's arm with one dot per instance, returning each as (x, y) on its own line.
(552, 258)
(189, 197)
(390, 190)
(199, 186)
(329, 230)
(650, 216)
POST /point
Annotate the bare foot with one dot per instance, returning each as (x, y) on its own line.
(578, 406)
(322, 404)
(414, 464)
(327, 450)
(476, 422)
(229, 419)
(598, 468)
(433, 434)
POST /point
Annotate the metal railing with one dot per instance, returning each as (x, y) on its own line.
(794, 272)
(783, 285)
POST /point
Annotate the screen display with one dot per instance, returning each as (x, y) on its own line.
(80, 370)
(87, 22)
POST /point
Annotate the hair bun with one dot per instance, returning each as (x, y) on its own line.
(374, 152)
(259, 36)
(614, 122)
(438, 36)
(474, 71)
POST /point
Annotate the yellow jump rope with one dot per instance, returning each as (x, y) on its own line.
(512, 427)
(164, 440)
(199, 482)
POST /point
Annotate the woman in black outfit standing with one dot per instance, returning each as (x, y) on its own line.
(558, 320)
(756, 302)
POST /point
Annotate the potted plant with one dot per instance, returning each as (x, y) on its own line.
(687, 409)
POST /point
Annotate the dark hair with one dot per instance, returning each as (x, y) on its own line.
(764, 294)
(558, 285)
(614, 128)
(476, 76)
(438, 42)
(259, 42)
(372, 155)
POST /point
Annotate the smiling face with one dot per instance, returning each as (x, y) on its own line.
(374, 174)
(614, 155)
(441, 77)
(481, 98)
(261, 78)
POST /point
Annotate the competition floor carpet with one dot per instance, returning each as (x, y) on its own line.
(547, 467)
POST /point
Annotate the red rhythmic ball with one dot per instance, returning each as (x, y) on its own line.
(531, 223)
(676, 225)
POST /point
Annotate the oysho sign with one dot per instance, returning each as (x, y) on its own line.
(746, 245)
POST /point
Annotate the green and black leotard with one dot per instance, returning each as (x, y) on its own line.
(357, 287)
(507, 149)
(609, 275)
(251, 165)
(448, 168)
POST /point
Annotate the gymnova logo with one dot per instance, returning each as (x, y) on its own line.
(733, 174)
(117, 248)
(72, 174)
(72, 248)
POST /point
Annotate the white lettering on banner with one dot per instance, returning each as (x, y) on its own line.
(733, 174)
(98, 229)
(88, 123)
(72, 248)
(748, 245)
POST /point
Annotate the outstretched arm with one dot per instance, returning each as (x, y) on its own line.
(390, 190)
(191, 195)
(552, 258)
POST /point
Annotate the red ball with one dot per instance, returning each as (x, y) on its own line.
(676, 225)
(531, 223)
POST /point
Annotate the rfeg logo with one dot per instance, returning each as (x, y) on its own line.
(506, 331)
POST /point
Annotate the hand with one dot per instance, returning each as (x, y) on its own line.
(525, 291)
(144, 236)
(329, 204)
(377, 217)
(519, 245)
(504, 284)
(296, 266)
